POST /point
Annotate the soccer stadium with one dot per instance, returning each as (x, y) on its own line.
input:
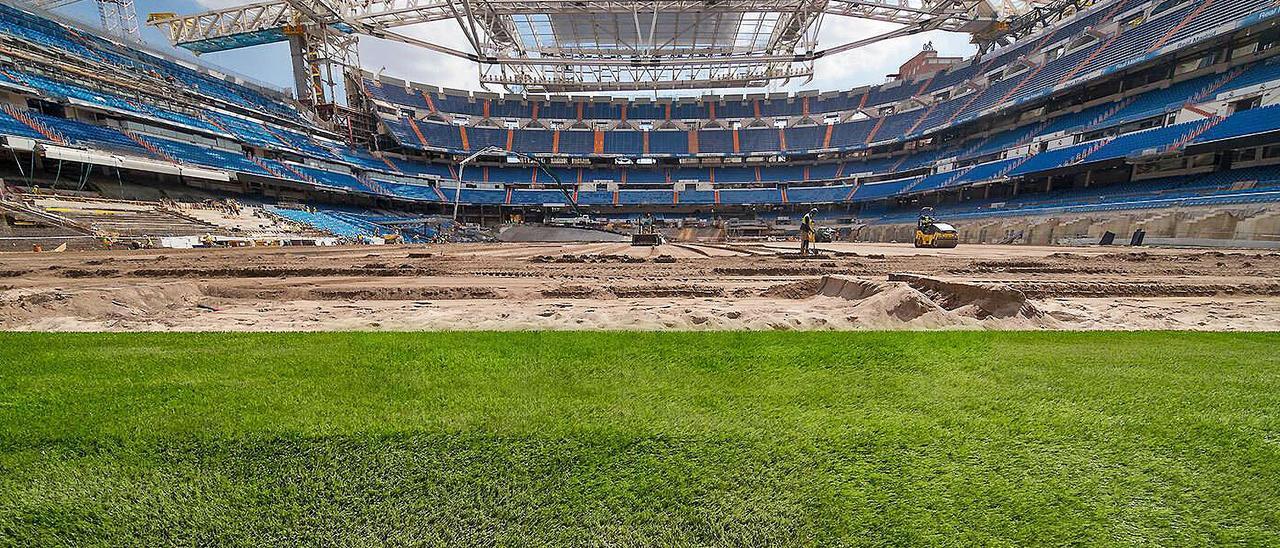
(639, 283)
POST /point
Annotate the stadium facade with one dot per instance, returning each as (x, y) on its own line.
(1126, 105)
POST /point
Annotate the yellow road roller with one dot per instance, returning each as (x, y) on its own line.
(933, 234)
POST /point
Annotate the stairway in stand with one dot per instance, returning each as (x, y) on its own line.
(1196, 132)
(150, 147)
(1089, 151)
(373, 185)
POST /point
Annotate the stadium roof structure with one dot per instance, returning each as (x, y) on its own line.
(590, 45)
(119, 17)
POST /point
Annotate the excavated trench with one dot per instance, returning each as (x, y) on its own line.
(908, 297)
(602, 288)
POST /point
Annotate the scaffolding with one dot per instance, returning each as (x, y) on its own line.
(119, 18)
(548, 46)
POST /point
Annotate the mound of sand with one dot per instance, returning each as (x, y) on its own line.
(615, 286)
(52, 309)
(921, 302)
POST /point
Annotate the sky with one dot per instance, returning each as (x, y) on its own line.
(270, 63)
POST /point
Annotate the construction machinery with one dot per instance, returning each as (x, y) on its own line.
(646, 239)
(646, 234)
(933, 234)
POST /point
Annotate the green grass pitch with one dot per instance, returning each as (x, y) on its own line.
(749, 439)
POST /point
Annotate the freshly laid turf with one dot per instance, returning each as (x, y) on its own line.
(640, 439)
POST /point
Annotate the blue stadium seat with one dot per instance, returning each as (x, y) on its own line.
(750, 196)
(885, 189)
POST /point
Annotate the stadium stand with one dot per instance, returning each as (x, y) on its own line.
(1081, 117)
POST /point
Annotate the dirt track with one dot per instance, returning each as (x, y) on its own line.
(615, 286)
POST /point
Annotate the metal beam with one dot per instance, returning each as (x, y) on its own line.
(387, 14)
(119, 18)
(581, 44)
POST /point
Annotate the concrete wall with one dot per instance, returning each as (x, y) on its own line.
(1236, 224)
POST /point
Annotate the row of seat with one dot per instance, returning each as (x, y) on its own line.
(207, 121)
(973, 161)
(94, 49)
(1218, 188)
(1246, 123)
(331, 220)
(429, 135)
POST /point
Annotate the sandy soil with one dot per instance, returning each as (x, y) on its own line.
(616, 286)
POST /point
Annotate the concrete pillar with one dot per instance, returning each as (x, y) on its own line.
(306, 84)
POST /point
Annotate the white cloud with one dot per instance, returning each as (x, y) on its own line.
(420, 65)
(871, 64)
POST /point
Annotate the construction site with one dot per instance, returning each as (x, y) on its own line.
(190, 260)
(609, 286)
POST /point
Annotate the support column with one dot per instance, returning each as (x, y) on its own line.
(306, 81)
(321, 58)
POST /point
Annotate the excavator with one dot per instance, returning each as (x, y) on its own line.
(933, 234)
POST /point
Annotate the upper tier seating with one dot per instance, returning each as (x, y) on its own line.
(819, 194)
(1242, 124)
(537, 197)
(205, 155)
(1002, 80)
(874, 191)
(95, 49)
(750, 196)
(12, 126)
(92, 136)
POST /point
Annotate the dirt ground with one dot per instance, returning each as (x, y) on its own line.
(616, 286)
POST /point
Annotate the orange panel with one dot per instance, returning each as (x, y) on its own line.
(431, 105)
(413, 124)
(871, 136)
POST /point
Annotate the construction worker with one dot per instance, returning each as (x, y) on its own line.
(808, 232)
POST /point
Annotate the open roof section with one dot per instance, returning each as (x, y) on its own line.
(687, 38)
(690, 32)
